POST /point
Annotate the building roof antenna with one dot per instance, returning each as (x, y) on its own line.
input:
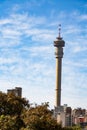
(59, 28)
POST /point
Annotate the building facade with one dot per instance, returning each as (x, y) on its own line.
(17, 91)
(63, 115)
(79, 116)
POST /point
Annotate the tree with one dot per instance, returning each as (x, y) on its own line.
(16, 104)
(11, 104)
(40, 118)
(11, 109)
(3, 103)
(17, 114)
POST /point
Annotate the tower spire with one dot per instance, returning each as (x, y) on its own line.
(59, 28)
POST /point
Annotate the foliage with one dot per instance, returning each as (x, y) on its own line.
(10, 122)
(40, 118)
(11, 108)
(76, 128)
(72, 128)
(11, 104)
(17, 114)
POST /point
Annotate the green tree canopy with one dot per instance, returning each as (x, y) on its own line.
(40, 118)
(17, 114)
(11, 108)
(11, 104)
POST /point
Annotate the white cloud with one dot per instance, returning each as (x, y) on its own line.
(27, 55)
(4, 21)
(79, 49)
(83, 17)
(71, 29)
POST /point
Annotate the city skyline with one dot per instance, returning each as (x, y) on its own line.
(27, 32)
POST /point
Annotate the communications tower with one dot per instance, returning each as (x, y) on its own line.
(59, 43)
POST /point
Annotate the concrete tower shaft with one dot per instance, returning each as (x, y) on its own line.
(59, 44)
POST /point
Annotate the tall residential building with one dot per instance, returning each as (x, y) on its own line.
(17, 91)
(63, 115)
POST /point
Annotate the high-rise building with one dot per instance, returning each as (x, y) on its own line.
(17, 91)
(63, 115)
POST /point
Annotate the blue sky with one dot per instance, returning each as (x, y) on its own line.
(27, 31)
